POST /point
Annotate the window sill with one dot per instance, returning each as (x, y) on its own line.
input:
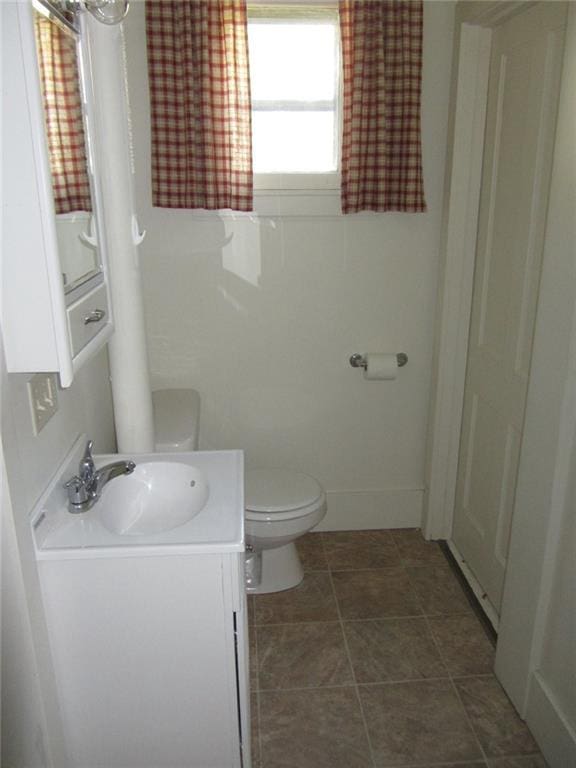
(296, 182)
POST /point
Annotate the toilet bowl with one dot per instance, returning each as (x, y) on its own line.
(280, 505)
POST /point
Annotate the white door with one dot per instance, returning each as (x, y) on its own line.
(520, 123)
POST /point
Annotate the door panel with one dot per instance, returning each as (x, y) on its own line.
(521, 114)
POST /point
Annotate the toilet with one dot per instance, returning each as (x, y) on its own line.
(280, 505)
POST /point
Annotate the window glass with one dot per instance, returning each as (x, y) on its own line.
(284, 142)
(294, 74)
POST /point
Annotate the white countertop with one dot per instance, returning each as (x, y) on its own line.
(217, 528)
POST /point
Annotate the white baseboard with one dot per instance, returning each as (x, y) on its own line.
(555, 737)
(364, 510)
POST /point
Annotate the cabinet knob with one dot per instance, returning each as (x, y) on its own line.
(95, 316)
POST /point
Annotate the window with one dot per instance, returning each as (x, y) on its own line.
(295, 83)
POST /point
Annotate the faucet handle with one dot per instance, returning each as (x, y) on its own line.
(87, 468)
(77, 492)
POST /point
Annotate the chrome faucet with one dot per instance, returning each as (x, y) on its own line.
(84, 489)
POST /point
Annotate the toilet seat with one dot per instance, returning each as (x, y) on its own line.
(279, 494)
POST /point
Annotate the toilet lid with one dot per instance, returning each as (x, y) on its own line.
(279, 490)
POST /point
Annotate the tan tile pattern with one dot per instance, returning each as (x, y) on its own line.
(498, 726)
(417, 722)
(438, 590)
(414, 550)
(255, 731)
(392, 649)
(346, 551)
(375, 594)
(312, 600)
(320, 728)
(377, 661)
(463, 644)
(253, 651)
(532, 761)
(302, 656)
(311, 552)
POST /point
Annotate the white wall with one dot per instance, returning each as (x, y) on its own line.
(261, 313)
(29, 709)
(558, 661)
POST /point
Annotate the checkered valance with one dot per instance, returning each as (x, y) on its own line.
(382, 63)
(63, 117)
(200, 104)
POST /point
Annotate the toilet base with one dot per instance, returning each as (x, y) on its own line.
(281, 569)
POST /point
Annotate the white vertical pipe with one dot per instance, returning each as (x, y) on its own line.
(128, 354)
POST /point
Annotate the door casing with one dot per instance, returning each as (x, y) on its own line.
(550, 419)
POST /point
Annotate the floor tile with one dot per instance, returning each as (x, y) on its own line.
(475, 764)
(415, 550)
(438, 590)
(354, 550)
(532, 761)
(251, 609)
(417, 722)
(254, 731)
(302, 656)
(392, 649)
(463, 644)
(498, 727)
(311, 552)
(319, 728)
(312, 600)
(376, 594)
(253, 656)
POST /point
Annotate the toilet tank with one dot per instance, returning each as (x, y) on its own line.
(176, 420)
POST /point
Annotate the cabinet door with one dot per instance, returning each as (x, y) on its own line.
(144, 661)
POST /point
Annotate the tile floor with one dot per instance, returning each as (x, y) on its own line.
(377, 660)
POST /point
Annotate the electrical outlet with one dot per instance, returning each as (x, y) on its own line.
(43, 395)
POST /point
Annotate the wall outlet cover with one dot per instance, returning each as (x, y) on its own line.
(43, 396)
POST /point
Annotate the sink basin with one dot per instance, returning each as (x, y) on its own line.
(173, 503)
(158, 496)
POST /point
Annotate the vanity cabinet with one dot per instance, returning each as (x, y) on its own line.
(150, 656)
(148, 633)
(55, 313)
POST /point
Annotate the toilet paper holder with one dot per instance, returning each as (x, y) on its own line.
(359, 361)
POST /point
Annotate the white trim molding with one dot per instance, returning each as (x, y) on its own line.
(377, 509)
(472, 62)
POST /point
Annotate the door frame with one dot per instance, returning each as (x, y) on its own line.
(468, 103)
(549, 436)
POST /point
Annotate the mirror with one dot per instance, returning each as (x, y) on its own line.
(57, 48)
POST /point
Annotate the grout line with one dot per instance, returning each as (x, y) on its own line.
(450, 678)
(257, 690)
(355, 684)
(458, 697)
(297, 623)
(469, 719)
(308, 689)
(411, 616)
(465, 763)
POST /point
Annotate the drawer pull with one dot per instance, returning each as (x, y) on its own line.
(95, 316)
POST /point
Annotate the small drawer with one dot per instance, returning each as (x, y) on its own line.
(87, 317)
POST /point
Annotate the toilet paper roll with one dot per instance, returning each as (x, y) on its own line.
(380, 367)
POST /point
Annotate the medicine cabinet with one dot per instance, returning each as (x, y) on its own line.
(56, 309)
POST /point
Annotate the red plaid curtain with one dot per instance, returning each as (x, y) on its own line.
(381, 148)
(200, 104)
(63, 116)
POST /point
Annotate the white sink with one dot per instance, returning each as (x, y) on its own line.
(177, 503)
(158, 496)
